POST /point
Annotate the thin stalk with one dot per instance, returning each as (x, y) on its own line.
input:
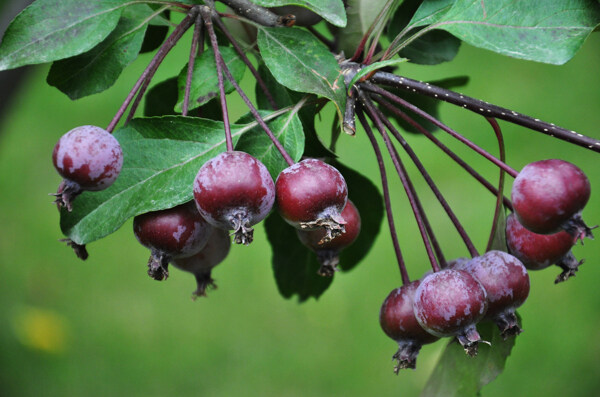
(147, 74)
(386, 197)
(370, 87)
(361, 46)
(206, 16)
(498, 208)
(459, 228)
(485, 109)
(443, 147)
(403, 178)
(190, 71)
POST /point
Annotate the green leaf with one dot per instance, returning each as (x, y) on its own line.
(49, 30)
(367, 199)
(550, 31)
(98, 69)
(372, 68)
(294, 266)
(361, 14)
(204, 78)
(302, 63)
(287, 129)
(161, 159)
(459, 375)
(331, 10)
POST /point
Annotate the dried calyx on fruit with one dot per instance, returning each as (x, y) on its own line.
(328, 252)
(311, 195)
(172, 233)
(202, 263)
(234, 191)
(398, 321)
(539, 251)
(88, 158)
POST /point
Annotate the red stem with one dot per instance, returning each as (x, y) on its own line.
(498, 209)
(190, 71)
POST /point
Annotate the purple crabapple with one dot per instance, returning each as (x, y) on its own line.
(311, 195)
(449, 303)
(539, 251)
(397, 319)
(328, 252)
(88, 158)
(234, 191)
(169, 234)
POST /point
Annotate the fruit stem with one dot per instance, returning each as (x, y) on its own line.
(443, 147)
(240, 51)
(403, 177)
(498, 209)
(147, 74)
(386, 197)
(370, 87)
(206, 16)
(485, 109)
(459, 227)
(190, 71)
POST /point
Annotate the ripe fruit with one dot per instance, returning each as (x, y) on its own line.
(506, 283)
(202, 263)
(88, 158)
(328, 251)
(549, 195)
(397, 319)
(538, 251)
(311, 195)
(449, 303)
(234, 191)
(302, 16)
(172, 233)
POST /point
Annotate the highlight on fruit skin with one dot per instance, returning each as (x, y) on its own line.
(88, 158)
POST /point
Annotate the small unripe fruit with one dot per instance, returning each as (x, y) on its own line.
(172, 233)
(397, 319)
(234, 191)
(328, 251)
(88, 158)
(449, 303)
(311, 195)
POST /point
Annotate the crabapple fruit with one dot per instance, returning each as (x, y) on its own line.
(172, 233)
(234, 191)
(88, 158)
(201, 264)
(449, 303)
(506, 284)
(397, 319)
(311, 195)
(328, 252)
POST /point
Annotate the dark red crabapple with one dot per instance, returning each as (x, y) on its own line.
(311, 195)
(538, 251)
(549, 195)
(88, 158)
(397, 319)
(449, 303)
(506, 284)
(328, 252)
(234, 191)
(172, 233)
(202, 263)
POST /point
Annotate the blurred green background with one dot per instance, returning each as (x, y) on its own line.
(102, 327)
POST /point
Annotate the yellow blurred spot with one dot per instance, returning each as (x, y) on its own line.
(41, 329)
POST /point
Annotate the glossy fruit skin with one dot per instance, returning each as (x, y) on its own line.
(397, 320)
(201, 264)
(449, 303)
(311, 195)
(175, 232)
(506, 283)
(88, 158)
(328, 251)
(546, 194)
(234, 191)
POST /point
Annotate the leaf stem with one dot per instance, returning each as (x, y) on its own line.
(190, 71)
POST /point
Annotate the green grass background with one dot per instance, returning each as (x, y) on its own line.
(102, 327)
